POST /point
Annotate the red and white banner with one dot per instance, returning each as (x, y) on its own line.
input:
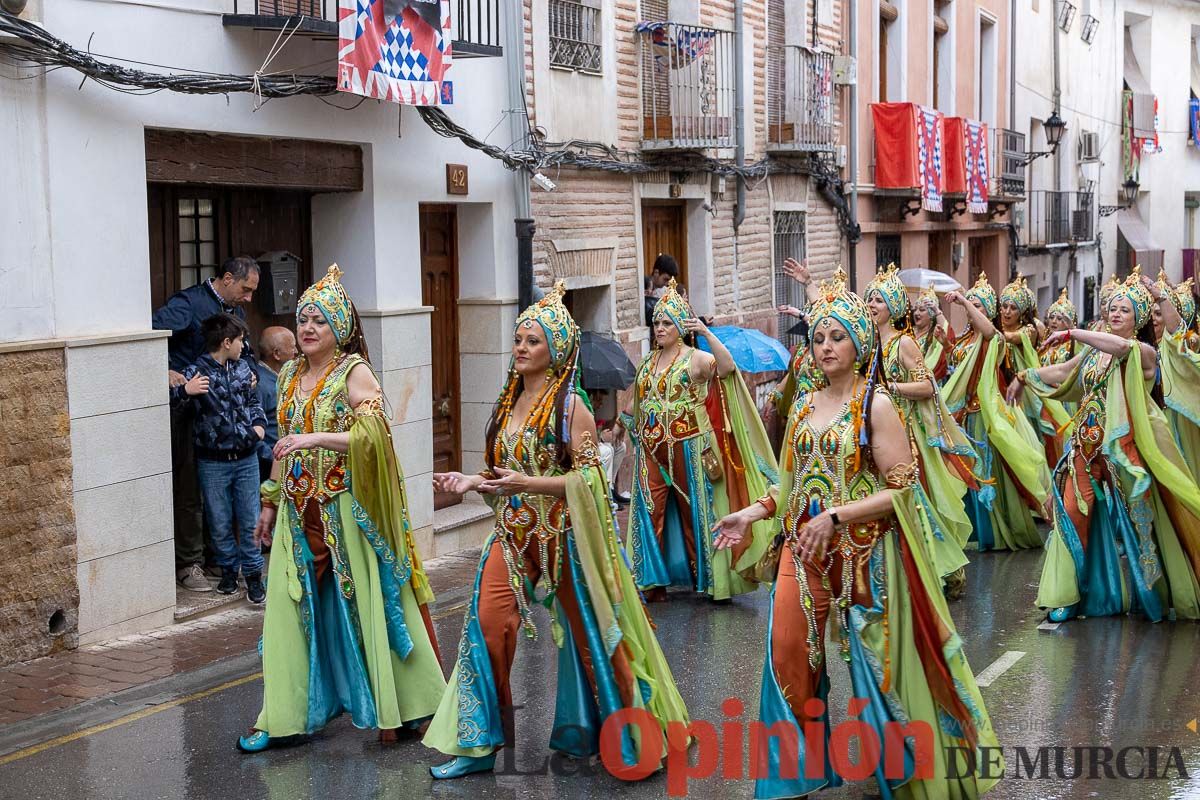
(397, 50)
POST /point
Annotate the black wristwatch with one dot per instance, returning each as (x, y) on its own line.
(833, 516)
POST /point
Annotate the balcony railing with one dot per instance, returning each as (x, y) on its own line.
(1056, 219)
(1008, 164)
(476, 22)
(575, 30)
(687, 86)
(800, 100)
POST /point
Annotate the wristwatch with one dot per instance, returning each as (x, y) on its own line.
(833, 516)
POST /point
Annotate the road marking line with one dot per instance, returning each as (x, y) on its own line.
(134, 717)
(1049, 626)
(998, 667)
(137, 715)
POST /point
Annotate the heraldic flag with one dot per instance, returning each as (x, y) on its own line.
(396, 50)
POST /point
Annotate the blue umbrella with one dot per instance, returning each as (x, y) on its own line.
(752, 350)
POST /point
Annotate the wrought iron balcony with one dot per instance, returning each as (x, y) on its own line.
(1008, 165)
(476, 22)
(687, 86)
(1058, 219)
(575, 30)
(800, 100)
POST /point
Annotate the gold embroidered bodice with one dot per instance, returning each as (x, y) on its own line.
(670, 405)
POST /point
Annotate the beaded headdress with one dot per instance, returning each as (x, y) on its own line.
(1185, 301)
(1137, 294)
(928, 300)
(329, 297)
(1107, 289)
(835, 302)
(1063, 307)
(893, 291)
(1018, 294)
(562, 337)
(985, 294)
(562, 334)
(672, 306)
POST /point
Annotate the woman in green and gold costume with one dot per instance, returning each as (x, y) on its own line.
(1021, 335)
(554, 527)
(852, 544)
(1015, 486)
(933, 333)
(347, 627)
(701, 450)
(1123, 488)
(944, 454)
(1061, 316)
(1179, 360)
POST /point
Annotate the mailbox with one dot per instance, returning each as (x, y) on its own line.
(278, 282)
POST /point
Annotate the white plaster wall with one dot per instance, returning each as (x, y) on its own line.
(570, 104)
(74, 258)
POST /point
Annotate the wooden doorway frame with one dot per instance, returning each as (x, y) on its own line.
(446, 368)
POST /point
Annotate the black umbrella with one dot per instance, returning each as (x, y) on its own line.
(603, 363)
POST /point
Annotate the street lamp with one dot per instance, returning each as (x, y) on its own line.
(1054, 127)
(1129, 193)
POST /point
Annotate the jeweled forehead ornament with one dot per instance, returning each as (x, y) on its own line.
(1137, 294)
(330, 298)
(672, 306)
(562, 334)
(891, 289)
(1064, 308)
(1018, 294)
(835, 303)
(985, 294)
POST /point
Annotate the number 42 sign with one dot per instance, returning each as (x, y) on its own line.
(456, 179)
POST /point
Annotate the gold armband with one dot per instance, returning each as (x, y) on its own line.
(902, 476)
(587, 454)
(370, 406)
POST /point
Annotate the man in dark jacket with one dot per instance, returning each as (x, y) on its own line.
(182, 315)
(276, 347)
(664, 269)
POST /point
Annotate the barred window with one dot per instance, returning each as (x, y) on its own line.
(575, 34)
(790, 242)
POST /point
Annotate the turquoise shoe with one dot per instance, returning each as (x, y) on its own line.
(459, 766)
(1061, 614)
(254, 743)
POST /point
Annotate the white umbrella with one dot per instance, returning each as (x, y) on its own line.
(921, 278)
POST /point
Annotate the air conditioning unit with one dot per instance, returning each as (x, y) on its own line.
(845, 70)
(839, 157)
(1088, 146)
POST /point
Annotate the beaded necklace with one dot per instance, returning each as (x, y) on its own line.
(310, 401)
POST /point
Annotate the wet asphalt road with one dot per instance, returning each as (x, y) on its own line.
(1104, 682)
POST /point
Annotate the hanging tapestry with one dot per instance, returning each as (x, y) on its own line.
(910, 150)
(929, 157)
(1194, 119)
(397, 50)
(675, 52)
(977, 166)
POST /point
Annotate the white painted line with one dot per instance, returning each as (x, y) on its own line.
(998, 667)
(1049, 626)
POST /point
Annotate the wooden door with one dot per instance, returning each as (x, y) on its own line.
(439, 288)
(664, 230)
(193, 229)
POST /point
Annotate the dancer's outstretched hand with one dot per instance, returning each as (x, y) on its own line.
(730, 530)
(506, 483)
(455, 482)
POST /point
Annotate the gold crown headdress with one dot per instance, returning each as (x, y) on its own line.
(330, 298)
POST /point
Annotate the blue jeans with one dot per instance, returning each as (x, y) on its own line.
(231, 506)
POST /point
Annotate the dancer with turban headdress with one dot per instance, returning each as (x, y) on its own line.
(945, 456)
(1179, 360)
(554, 527)
(1061, 316)
(347, 626)
(933, 333)
(1123, 487)
(1101, 323)
(853, 544)
(1021, 338)
(700, 450)
(1015, 485)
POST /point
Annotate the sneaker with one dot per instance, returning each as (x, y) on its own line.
(192, 578)
(255, 592)
(620, 499)
(229, 582)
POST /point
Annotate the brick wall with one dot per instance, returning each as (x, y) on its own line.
(37, 519)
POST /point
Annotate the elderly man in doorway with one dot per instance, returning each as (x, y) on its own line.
(276, 347)
(182, 315)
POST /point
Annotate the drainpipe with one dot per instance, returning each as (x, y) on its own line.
(519, 124)
(1058, 187)
(853, 146)
(1012, 66)
(739, 108)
